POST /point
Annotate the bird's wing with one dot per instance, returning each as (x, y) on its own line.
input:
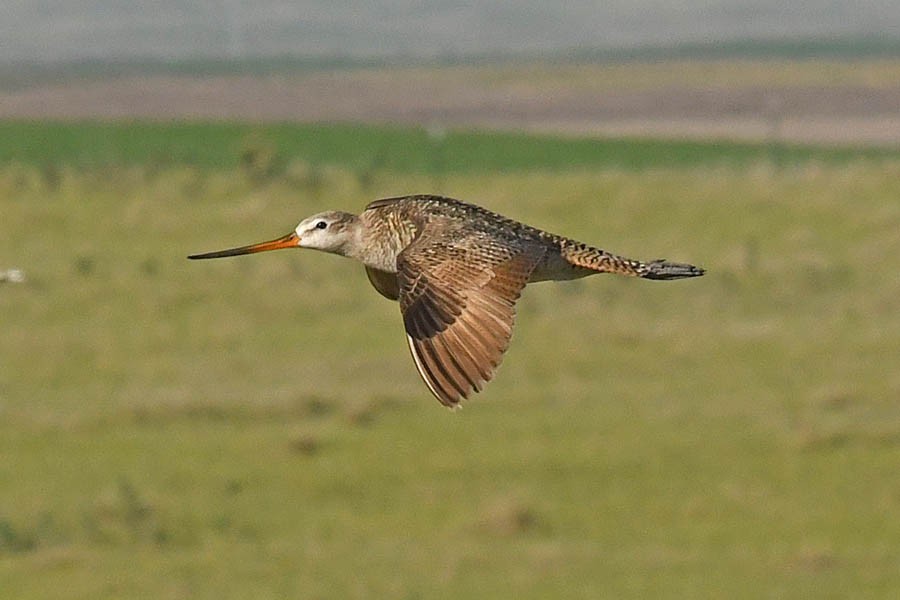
(457, 296)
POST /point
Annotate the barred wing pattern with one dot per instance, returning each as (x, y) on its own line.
(458, 300)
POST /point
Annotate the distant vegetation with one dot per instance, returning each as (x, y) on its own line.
(412, 150)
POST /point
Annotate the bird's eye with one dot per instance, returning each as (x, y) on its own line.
(321, 225)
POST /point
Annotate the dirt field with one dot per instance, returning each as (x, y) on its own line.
(837, 102)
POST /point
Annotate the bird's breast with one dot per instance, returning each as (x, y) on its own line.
(387, 235)
(383, 259)
(383, 248)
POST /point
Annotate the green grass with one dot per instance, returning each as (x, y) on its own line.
(254, 427)
(225, 145)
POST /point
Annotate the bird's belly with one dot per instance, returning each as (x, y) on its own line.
(555, 268)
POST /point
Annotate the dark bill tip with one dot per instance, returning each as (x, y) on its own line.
(288, 241)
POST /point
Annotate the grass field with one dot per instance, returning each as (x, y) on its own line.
(365, 149)
(255, 427)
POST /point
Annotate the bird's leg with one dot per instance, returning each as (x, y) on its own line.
(664, 270)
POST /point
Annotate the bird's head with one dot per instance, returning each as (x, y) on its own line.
(327, 231)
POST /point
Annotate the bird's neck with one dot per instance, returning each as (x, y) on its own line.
(376, 242)
(355, 243)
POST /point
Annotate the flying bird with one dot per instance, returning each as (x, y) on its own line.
(457, 271)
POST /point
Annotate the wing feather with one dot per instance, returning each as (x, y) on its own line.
(458, 303)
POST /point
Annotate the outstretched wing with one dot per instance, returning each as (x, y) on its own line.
(457, 295)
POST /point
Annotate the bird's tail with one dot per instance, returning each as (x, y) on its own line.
(595, 259)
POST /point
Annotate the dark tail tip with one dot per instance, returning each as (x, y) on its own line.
(664, 270)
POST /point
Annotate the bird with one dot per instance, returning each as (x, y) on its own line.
(457, 270)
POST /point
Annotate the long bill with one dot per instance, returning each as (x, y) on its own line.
(291, 240)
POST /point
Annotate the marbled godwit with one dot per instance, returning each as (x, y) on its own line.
(457, 271)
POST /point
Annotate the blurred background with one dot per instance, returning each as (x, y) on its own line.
(255, 426)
